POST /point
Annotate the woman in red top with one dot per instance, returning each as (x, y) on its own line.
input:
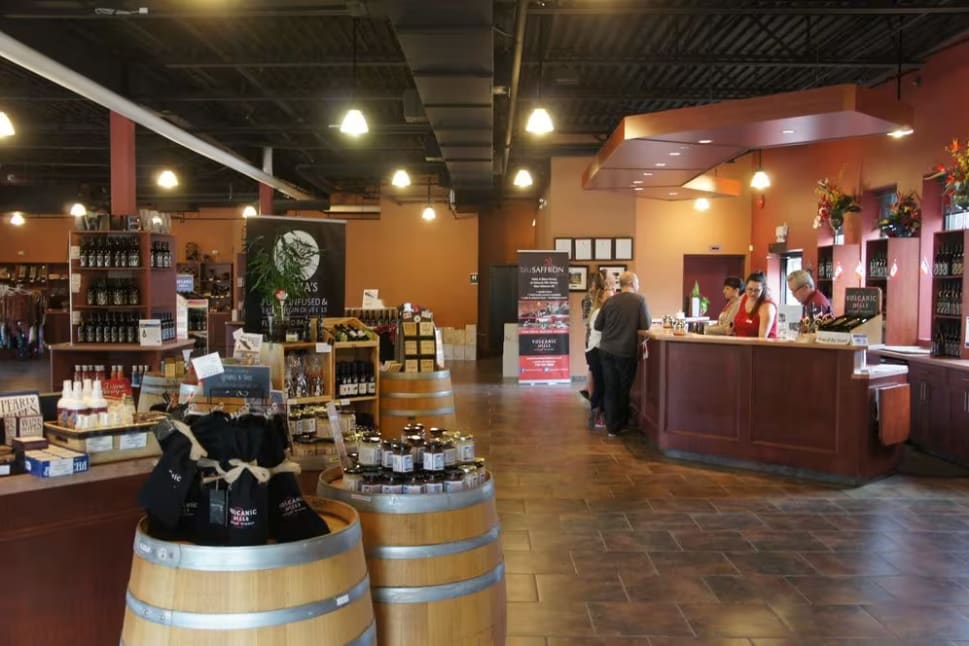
(757, 314)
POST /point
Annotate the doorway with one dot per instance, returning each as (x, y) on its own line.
(708, 271)
(502, 304)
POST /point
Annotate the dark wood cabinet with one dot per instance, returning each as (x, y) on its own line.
(930, 407)
(958, 428)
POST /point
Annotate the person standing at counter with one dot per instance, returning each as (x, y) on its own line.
(597, 384)
(757, 313)
(620, 319)
(733, 287)
(813, 302)
(598, 283)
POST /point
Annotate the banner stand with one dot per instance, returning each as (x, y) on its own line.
(543, 317)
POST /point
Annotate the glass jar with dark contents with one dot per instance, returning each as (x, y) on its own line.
(433, 456)
(433, 483)
(453, 481)
(402, 459)
(414, 485)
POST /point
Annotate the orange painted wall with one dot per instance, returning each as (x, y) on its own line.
(665, 231)
(40, 239)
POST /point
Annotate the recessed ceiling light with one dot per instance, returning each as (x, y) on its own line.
(638, 188)
(705, 141)
(787, 132)
(661, 164)
(684, 147)
(673, 193)
(901, 132)
(637, 181)
(647, 174)
(674, 154)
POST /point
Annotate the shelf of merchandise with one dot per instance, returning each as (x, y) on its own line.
(899, 307)
(951, 327)
(836, 271)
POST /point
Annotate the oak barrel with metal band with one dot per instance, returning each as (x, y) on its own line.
(311, 592)
(406, 397)
(435, 563)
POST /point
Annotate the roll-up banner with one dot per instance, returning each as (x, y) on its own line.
(324, 273)
(543, 317)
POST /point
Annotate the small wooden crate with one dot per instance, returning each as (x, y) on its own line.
(108, 444)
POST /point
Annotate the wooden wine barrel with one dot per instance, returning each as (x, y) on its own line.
(435, 564)
(312, 592)
(424, 397)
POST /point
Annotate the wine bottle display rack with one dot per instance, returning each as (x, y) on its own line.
(949, 282)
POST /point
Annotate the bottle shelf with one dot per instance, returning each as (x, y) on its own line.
(947, 277)
(349, 345)
(298, 401)
(109, 307)
(357, 398)
(949, 317)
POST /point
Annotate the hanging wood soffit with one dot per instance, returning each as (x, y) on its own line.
(660, 154)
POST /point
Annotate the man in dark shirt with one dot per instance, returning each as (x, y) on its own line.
(801, 284)
(620, 320)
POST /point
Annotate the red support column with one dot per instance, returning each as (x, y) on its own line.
(123, 170)
(265, 199)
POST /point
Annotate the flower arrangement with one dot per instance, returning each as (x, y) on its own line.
(276, 271)
(809, 324)
(833, 203)
(956, 190)
(904, 216)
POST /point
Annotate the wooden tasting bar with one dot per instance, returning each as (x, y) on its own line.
(796, 408)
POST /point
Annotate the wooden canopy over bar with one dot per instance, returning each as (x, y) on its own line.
(659, 153)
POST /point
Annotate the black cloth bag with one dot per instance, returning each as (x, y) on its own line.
(290, 518)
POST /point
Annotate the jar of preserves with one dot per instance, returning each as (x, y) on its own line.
(453, 481)
(450, 454)
(434, 483)
(369, 451)
(470, 475)
(416, 443)
(370, 484)
(391, 483)
(387, 448)
(465, 447)
(414, 485)
(436, 433)
(433, 456)
(402, 458)
(352, 478)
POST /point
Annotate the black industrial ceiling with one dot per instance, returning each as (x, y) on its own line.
(435, 79)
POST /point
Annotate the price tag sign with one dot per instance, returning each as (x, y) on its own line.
(133, 441)
(323, 348)
(75, 283)
(208, 365)
(75, 252)
(99, 444)
(149, 332)
(344, 402)
(75, 317)
(859, 339)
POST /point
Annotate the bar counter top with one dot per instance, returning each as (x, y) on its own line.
(925, 359)
(24, 483)
(792, 407)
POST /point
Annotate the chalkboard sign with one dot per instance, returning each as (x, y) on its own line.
(863, 302)
(246, 382)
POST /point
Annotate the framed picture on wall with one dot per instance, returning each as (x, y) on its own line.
(583, 249)
(578, 278)
(603, 249)
(564, 244)
(613, 271)
(623, 249)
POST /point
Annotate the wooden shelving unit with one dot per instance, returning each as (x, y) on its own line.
(949, 285)
(892, 264)
(836, 272)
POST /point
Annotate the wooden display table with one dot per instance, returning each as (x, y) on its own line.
(64, 356)
(798, 408)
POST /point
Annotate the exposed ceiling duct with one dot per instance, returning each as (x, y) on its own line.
(30, 59)
(450, 51)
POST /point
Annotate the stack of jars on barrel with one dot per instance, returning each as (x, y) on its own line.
(423, 461)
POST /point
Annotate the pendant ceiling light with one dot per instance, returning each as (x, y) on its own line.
(401, 179)
(760, 180)
(354, 123)
(428, 215)
(6, 126)
(78, 210)
(701, 204)
(523, 179)
(249, 211)
(17, 219)
(539, 121)
(167, 179)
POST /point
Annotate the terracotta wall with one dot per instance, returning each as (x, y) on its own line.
(41, 239)
(665, 231)
(938, 93)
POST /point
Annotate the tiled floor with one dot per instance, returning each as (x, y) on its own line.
(606, 544)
